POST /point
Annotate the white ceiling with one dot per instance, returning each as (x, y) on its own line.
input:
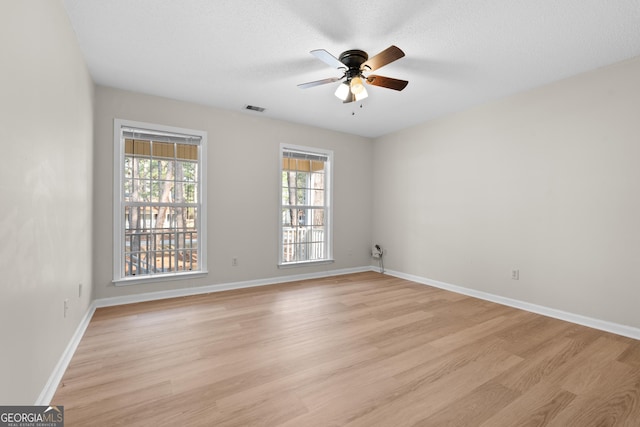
(459, 53)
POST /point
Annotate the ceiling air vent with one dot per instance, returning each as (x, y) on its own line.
(254, 108)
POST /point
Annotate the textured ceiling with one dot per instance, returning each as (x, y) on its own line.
(459, 53)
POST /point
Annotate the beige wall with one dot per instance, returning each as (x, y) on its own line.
(547, 182)
(45, 191)
(242, 189)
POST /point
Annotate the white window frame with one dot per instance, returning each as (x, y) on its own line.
(328, 200)
(118, 203)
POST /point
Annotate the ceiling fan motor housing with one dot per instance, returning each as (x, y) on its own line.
(353, 59)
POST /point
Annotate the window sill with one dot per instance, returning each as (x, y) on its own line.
(137, 280)
(305, 263)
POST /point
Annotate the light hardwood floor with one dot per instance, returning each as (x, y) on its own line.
(356, 350)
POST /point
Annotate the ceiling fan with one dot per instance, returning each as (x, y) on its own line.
(356, 65)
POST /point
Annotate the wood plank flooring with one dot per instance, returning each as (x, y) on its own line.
(355, 350)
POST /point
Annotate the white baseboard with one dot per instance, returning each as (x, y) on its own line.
(615, 328)
(54, 379)
(56, 376)
(199, 290)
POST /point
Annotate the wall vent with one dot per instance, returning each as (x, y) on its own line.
(254, 108)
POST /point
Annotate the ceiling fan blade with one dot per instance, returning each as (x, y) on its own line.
(387, 82)
(327, 58)
(387, 56)
(318, 82)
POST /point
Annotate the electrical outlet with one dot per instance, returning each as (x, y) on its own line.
(234, 262)
(79, 290)
(515, 274)
(66, 307)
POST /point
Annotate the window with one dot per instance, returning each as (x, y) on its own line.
(305, 208)
(159, 206)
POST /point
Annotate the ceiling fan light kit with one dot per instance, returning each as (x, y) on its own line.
(350, 91)
(356, 86)
(342, 92)
(355, 63)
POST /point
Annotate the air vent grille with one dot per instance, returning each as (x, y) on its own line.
(254, 108)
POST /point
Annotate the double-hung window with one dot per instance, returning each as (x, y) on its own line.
(305, 205)
(159, 206)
